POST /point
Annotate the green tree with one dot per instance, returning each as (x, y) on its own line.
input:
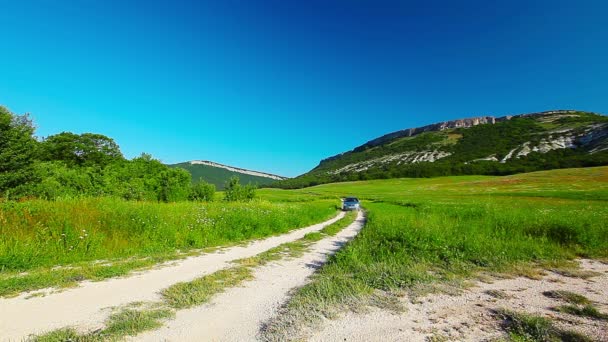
(202, 191)
(87, 149)
(17, 149)
(234, 191)
(55, 179)
(174, 185)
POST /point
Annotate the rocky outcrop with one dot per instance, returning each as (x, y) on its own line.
(399, 158)
(556, 130)
(546, 116)
(440, 126)
(595, 138)
(237, 169)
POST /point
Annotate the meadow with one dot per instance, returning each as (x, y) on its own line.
(419, 232)
(49, 243)
(426, 234)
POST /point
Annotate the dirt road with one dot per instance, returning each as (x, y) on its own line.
(237, 314)
(87, 306)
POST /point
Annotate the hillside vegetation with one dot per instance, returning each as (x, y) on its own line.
(219, 176)
(484, 146)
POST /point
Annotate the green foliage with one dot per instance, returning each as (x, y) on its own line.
(87, 149)
(142, 178)
(145, 178)
(174, 185)
(202, 191)
(234, 191)
(18, 149)
(69, 165)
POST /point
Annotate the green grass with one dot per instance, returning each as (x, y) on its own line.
(524, 327)
(578, 305)
(199, 291)
(568, 297)
(133, 320)
(336, 227)
(425, 232)
(588, 310)
(58, 243)
(126, 322)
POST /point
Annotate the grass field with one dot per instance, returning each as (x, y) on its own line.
(439, 231)
(48, 243)
(421, 234)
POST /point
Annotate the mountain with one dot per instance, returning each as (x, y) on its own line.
(219, 174)
(480, 145)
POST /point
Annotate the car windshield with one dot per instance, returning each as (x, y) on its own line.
(351, 199)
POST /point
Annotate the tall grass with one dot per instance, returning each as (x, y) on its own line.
(421, 232)
(50, 233)
(404, 245)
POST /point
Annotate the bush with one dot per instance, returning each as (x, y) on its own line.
(236, 192)
(17, 149)
(174, 185)
(202, 191)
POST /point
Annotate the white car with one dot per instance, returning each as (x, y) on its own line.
(351, 203)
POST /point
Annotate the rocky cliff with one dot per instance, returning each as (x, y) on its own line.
(477, 145)
(460, 123)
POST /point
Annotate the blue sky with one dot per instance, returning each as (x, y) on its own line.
(278, 85)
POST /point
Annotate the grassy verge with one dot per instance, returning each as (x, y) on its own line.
(44, 244)
(196, 292)
(132, 320)
(425, 233)
(200, 290)
(126, 322)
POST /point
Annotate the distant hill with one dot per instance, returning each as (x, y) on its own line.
(480, 145)
(218, 174)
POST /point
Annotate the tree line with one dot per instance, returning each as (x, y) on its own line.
(88, 164)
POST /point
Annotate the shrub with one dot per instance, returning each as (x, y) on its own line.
(202, 191)
(236, 192)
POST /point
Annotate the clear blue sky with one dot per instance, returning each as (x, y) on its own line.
(278, 85)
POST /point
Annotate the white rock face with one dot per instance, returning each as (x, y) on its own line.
(508, 156)
(488, 158)
(236, 169)
(400, 158)
(546, 145)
